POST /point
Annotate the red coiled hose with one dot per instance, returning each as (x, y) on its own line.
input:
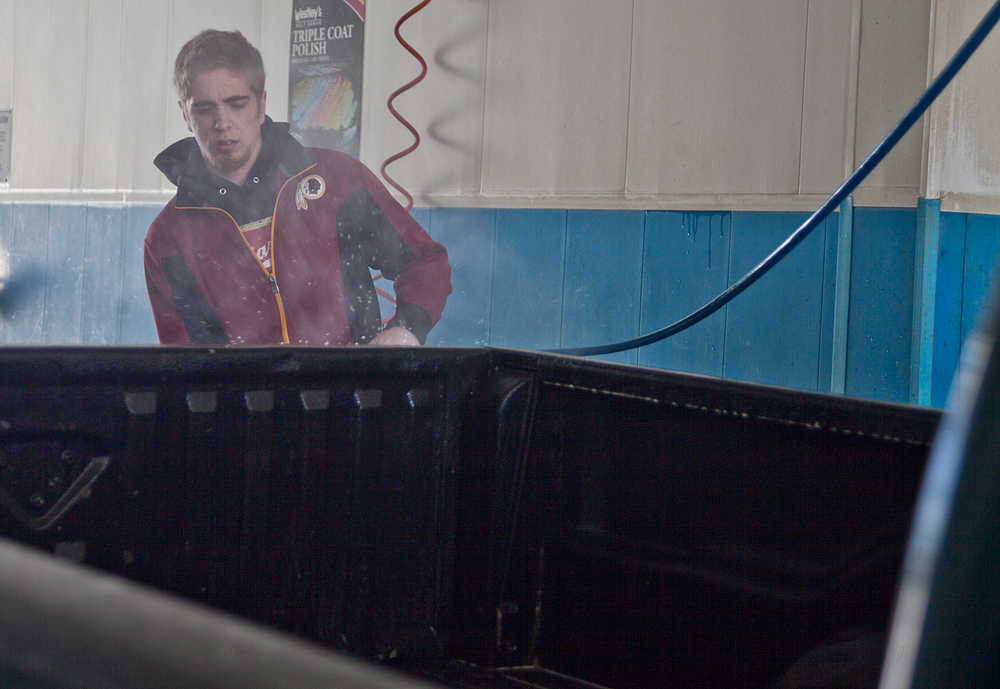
(416, 137)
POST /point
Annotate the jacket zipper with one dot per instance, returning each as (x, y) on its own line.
(271, 274)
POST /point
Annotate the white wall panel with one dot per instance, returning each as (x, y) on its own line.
(717, 97)
(894, 48)
(388, 66)
(275, 24)
(963, 167)
(557, 96)
(446, 107)
(6, 53)
(147, 94)
(102, 121)
(828, 100)
(567, 103)
(49, 84)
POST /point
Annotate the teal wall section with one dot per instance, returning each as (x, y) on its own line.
(529, 279)
(794, 299)
(982, 245)
(686, 262)
(840, 310)
(602, 282)
(967, 260)
(881, 304)
(947, 340)
(73, 274)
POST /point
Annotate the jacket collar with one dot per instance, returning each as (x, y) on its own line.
(183, 165)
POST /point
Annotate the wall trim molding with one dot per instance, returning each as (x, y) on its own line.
(795, 203)
(115, 197)
(985, 204)
(874, 198)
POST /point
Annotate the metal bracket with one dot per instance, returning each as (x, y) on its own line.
(80, 488)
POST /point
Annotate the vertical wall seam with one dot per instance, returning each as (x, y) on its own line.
(123, 89)
(562, 286)
(6, 261)
(81, 146)
(823, 295)
(46, 271)
(853, 85)
(11, 265)
(842, 298)
(13, 71)
(13, 99)
(13, 237)
(485, 104)
(961, 290)
(628, 106)
(802, 100)
(493, 275)
(124, 218)
(927, 126)
(637, 326)
(729, 281)
(83, 271)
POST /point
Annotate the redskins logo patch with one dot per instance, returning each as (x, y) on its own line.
(310, 188)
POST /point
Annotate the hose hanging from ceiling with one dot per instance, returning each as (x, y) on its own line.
(402, 120)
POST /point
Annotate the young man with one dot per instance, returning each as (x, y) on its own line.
(267, 242)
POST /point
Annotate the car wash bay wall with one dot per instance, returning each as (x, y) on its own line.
(621, 104)
(584, 194)
(552, 278)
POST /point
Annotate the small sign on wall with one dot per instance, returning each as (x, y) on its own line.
(6, 124)
(325, 69)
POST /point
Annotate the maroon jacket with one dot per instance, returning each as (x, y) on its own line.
(332, 220)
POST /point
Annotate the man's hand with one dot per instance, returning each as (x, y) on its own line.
(396, 336)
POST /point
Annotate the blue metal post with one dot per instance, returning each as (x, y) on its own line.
(925, 269)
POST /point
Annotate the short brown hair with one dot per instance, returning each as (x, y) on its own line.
(213, 49)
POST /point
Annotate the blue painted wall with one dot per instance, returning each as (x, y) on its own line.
(880, 321)
(551, 278)
(73, 274)
(967, 260)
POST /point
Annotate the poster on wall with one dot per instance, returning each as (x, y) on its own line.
(324, 73)
(6, 121)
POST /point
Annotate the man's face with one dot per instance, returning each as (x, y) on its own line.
(225, 116)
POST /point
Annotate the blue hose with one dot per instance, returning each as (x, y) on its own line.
(956, 63)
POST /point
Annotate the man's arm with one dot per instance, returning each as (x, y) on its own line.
(395, 244)
(169, 324)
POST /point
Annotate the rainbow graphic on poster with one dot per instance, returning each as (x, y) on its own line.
(325, 70)
(326, 102)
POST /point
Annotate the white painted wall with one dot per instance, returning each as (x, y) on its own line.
(892, 75)
(557, 103)
(89, 83)
(716, 104)
(963, 147)
(447, 107)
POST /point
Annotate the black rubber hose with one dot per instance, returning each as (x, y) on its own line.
(956, 63)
